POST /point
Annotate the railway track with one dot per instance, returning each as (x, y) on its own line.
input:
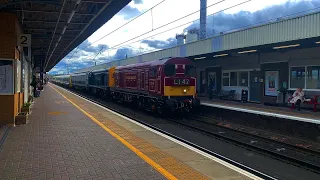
(291, 154)
(310, 147)
(294, 155)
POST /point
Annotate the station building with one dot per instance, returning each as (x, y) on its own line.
(263, 71)
(15, 70)
(261, 59)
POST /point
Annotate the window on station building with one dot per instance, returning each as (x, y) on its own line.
(313, 77)
(297, 78)
(225, 79)
(233, 79)
(243, 79)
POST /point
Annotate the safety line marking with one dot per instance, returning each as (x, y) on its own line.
(163, 171)
(271, 114)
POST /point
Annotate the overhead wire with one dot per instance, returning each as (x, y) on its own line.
(128, 22)
(76, 50)
(153, 29)
(261, 22)
(164, 24)
(117, 46)
(114, 47)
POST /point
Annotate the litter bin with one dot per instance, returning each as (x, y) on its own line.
(282, 93)
(244, 95)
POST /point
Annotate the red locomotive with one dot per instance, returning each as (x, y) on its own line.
(165, 84)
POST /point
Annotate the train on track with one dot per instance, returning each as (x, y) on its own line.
(165, 85)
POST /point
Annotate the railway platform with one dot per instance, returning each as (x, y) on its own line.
(68, 137)
(307, 116)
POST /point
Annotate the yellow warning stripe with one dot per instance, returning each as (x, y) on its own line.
(132, 148)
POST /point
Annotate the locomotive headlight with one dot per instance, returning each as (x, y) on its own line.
(184, 90)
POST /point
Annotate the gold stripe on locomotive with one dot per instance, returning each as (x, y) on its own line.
(179, 90)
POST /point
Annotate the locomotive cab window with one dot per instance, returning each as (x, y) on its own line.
(153, 73)
(190, 71)
(170, 70)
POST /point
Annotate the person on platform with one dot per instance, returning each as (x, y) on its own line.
(34, 85)
(211, 87)
(298, 98)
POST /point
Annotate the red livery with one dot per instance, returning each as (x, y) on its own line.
(160, 84)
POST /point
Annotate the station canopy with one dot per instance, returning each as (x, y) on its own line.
(59, 26)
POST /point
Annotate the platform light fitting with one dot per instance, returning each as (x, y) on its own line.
(220, 55)
(289, 46)
(63, 30)
(199, 58)
(242, 52)
(70, 16)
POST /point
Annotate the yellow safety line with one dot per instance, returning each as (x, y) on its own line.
(131, 147)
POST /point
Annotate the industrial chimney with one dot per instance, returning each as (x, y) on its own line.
(180, 39)
(192, 35)
(203, 19)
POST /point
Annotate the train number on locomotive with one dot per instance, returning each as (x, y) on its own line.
(181, 81)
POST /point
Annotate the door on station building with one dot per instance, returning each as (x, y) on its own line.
(202, 82)
(255, 86)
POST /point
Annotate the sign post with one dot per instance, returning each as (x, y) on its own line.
(24, 40)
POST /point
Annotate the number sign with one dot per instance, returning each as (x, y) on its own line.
(24, 40)
(181, 81)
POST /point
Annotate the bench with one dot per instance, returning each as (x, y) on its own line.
(313, 100)
(227, 94)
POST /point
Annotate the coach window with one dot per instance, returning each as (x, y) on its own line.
(190, 71)
(170, 70)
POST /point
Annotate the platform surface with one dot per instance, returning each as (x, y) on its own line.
(70, 138)
(305, 115)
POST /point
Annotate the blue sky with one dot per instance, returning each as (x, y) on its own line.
(249, 13)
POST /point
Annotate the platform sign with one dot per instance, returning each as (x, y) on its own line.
(271, 83)
(24, 40)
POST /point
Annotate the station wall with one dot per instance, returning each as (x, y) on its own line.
(10, 53)
(252, 72)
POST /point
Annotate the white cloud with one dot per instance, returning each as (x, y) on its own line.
(168, 11)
